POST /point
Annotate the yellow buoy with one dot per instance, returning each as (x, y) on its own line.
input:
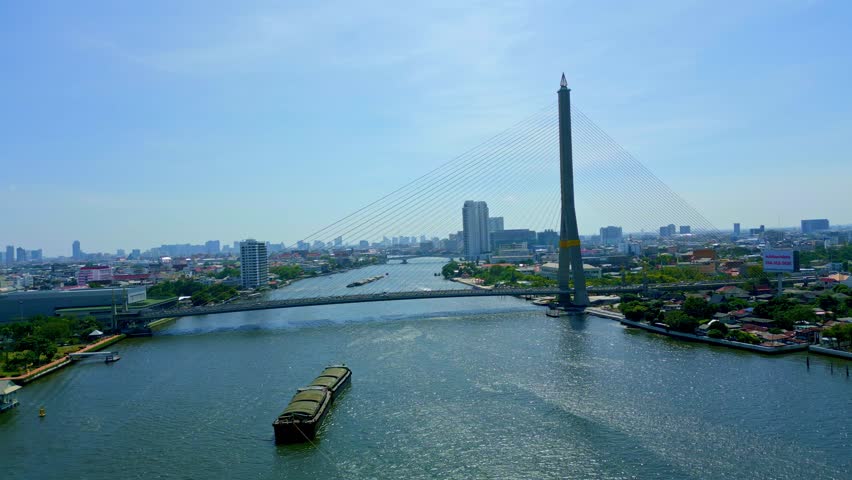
(41, 412)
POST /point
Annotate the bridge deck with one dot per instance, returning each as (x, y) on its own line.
(148, 316)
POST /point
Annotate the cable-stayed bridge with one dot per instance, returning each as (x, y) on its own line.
(543, 174)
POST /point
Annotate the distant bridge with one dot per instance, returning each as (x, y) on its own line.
(246, 306)
(405, 258)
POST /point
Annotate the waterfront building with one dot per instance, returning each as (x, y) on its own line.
(17, 305)
(611, 235)
(512, 253)
(477, 240)
(7, 395)
(254, 264)
(514, 235)
(815, 225)
(94, 273)
(495, 224)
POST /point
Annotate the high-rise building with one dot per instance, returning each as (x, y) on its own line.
(76, 252)
(816, 225)
(22, 255)
(36, 255)
(685, 229)
(495, 224)
(119, 252)
(364, 244)
(212, 247)
(736, 229)
(548, 237)
(475, 221)
(10, 254)
(254, 264)
(611, 235)
(668, 230)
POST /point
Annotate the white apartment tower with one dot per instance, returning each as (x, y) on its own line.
(477, 240)
(254, 264)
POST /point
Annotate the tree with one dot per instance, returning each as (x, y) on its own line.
(681, 322)
(800, 313)
(698, 308)
(715, 333)
(743, 337)
(828, 303)
(449, 270)
(634, 311)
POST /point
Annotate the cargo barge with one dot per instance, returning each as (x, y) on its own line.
(365, 281)
(302, 418)
(335, 378)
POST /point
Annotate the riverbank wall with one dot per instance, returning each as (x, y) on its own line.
(830, 351)
(716, 341)
(471, 282)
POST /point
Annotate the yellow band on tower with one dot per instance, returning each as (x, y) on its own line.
(569, 243)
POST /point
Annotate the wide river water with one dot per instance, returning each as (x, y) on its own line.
(444, 388)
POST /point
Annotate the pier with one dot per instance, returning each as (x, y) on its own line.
(106, 356)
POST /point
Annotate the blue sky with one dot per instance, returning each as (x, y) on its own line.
(131, 124)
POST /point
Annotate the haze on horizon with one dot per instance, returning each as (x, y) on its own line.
(133, 125)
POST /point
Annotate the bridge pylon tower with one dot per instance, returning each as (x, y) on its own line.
(570, 259)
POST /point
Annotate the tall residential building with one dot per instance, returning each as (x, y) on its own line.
(611, 235)
(736, 229)
(495, 224)
(36, 255)
(254, 264)
(338, 241)
(668, 230)
(685, 229)
(476, 237)
(10, 254)
(816, 225)
(22, 255)
(76, 252)
(212, 247)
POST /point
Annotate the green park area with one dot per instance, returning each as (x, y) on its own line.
(41, 339)
(199, 293)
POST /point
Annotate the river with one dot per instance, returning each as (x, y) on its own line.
(442, 388)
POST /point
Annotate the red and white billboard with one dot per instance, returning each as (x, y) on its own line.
(780, 261)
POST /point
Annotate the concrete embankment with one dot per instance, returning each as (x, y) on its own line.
(716, 341)
(161, 322)
(64, 361)
(471, 282)
(600, 312)
(830, 351)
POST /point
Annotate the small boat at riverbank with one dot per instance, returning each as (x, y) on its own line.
(365, 281)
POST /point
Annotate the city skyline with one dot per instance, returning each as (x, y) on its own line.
(178, 116)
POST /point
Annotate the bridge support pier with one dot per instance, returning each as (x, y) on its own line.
(570, 259)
